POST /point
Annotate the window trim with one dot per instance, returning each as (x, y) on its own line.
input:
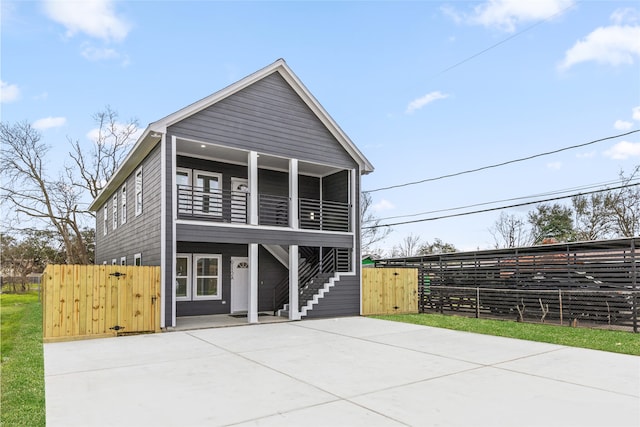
(105, 219)
(114, 210)
(189, 173)
(195, 296)
(189, 276)
(137, 259)
(123, 202)
(138, 201)
(123, 260)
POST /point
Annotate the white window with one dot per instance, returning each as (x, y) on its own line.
(123, 197)
(137, 260)
(183, 277)
(105, 219)
(185, 193)
(114, 262)
(207, 283)
(123, 260)
(104, 262)
(114, 208)
(207, 193)
(138, 199)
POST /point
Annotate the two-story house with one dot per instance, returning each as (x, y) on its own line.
(248, 200)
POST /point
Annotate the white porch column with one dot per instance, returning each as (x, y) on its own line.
(294, 314)
(293, 194)
(253, 187)
(252, 313)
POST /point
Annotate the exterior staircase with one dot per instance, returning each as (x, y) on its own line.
(316, 277)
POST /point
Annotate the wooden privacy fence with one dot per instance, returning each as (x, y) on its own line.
(389, 290)
(87, 301)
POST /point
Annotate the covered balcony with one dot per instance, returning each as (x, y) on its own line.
(240, 187)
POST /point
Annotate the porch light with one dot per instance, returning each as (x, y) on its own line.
(203, 146)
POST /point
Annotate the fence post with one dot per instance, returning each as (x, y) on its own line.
(477, 303)
(560, 299)
(634, 283)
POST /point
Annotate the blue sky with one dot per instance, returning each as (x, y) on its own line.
(405, 80)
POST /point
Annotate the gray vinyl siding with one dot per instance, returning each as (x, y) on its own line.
(198, 233)
(140, 234)
(270, 118)
(270, 274)
(342, 300)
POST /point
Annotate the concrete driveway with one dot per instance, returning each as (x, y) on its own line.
(336, 372)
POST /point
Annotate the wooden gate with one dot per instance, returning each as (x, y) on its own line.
(389, 290)
(87, 301)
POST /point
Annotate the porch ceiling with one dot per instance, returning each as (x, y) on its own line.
(231, 155)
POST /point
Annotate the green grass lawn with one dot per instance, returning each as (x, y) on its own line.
(597, 339)
(22, 365)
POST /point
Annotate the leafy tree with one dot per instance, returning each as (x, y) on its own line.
(551, 222)
(29, 254)
(593, 219)
(437, 247)
(510, 231)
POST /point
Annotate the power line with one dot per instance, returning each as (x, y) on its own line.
(549, 193)
(499, 208)
(519, 33)
(508, 162)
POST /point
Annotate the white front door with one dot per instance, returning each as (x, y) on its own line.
(239, 284)
(239, 190)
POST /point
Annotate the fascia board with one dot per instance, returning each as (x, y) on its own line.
(143, 146)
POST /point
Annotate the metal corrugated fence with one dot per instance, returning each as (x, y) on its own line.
(581, 284)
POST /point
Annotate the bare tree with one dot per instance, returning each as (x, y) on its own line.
(96, 164)
(510, 231)
(409, 246)
(624, 207)
(36, 198)
(593, 220)
(371, 231)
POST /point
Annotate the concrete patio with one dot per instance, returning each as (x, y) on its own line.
(336, 372)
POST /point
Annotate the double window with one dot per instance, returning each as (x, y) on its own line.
(198, 277)
(199, 192)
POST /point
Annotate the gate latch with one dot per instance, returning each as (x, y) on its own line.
(117, 328)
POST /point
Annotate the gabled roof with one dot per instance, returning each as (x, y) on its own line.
(154, 131)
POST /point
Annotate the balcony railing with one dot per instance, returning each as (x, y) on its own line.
(231, 207)
(324, 215)
(214, 205)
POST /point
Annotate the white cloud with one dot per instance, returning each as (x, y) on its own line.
(587, 155)
(613, 45)
(49, 122)
(418, 103)
(623, 150)
(635, 115)
(554, 165)
(93, 53)
(8, 93)
(383, 205)
(95, 18)
(622, 125)
(507, 14)
(626, 15)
